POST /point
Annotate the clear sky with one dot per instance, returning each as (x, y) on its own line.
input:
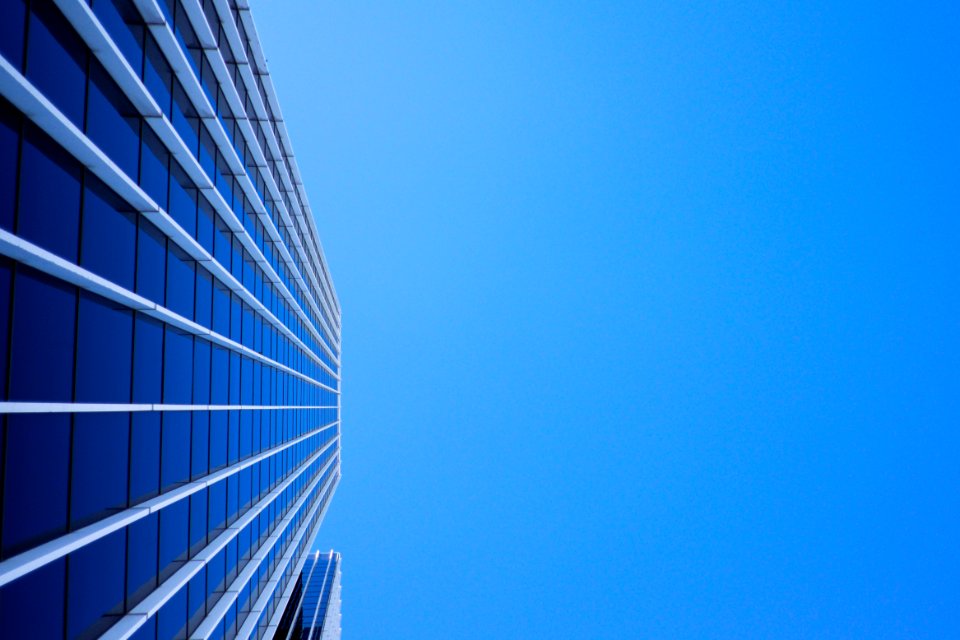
(651, 313)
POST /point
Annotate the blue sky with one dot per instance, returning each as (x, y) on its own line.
(650, 313)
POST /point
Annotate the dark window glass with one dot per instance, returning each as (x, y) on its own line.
(204, 297)
(113, 123)
(220, 377)
(35, 479)
(49, 211)
(99, 466)
(173, 537)
(185, 119)
(104, 350)
(172, 617)
(183, 199)
(151, 257)
(25, 606)
(144, 456)
(148, 631)
(234, 377)
(198, 521)
(95, 589)
(56, 60)
(157, 75)
(142, 558)
(41, 359)
(175, 453)
(177, 367)
(221, 309)
(147, 359)
(200, 440)
(109, 243)
(9, 155)
(154, 168)
(196, 597)
(181, 278)
(205, 218)
(201, 372)
(6, 284)
(218, 439)
(122, 21)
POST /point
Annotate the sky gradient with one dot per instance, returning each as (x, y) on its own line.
(651, 313)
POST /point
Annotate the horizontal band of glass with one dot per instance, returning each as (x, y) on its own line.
(291, 170)
(128, 624)
(161, 30)
(22, 563)
(93, 407)
(246, 574)
(28, 253)
(253, 618)
(19, 91)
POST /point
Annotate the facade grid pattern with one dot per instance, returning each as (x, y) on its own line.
(169, 331)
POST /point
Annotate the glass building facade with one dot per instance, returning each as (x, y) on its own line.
(313, 612)
(169, 331)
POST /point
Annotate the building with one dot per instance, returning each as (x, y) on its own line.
(313, 612)
(169, 331)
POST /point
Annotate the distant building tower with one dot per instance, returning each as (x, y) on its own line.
(313, 612)
(169, 331)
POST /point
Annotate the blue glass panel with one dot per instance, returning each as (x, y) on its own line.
(104, 350)
(217, 519)
(200, 441)
(6, 284)
(246, 432)
(112, 122)
(56, 60)
(108, 246)
(154, 167)
(216, 574)
(218, 439)
(142, 558)
(181, 279)
(123, 23)
(198, 521)
(49, 211)
(220, 378)
(151, 261)
(25, 603)
(173, 537)
(233, 436)
(205, 218)
(233, 495)
(147, 359)
(95, 587)
(148, 631)
(234, 377)
(185, 119)
(175, 452)
(12, 30)
(204, 297)
(196, 599)
(222, 243)
(99, 466)
(35, 479)
(144, 456)
(177, 367)
(41, 358)
(172, 617)
(9, 154)
(221, 309)
(183, 199)
(157, 75)
(201, 371)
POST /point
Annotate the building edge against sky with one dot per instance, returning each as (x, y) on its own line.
(313, 611)
(169, 330)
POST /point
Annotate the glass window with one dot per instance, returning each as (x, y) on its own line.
(199, 449)
(49, 211)
(42, 343)
(173, 537)
(35, 495)
(183, 199)
(157, 75)
(9, 154)
(205, 218)
(142, 558)
(181, 278)
(104, 350)
(185, 118)
(108, 246)
(151, 257)
(177, 367)
(144, 456)
(196, 597)
(234, 377)
(221, 309)
(201, 372)
(233, 436)
(172, 617)
(95, 588)
(218, 439)
(56, 60)
(147, 362)
(99, 466)
(220, 377)
(217, 518)
(198, 521)
(25, 603)
(6, 284)
(113, 123)
(122, 21)
(154, 168)
(204, 297)
(175, 448)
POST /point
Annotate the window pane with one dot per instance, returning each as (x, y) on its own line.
(144, 456)
(104, 350)
(173, 538)
(35, 495)
(177, 367)
(95, 589)
(122, 21)
(56, 60)
(99, 466)
(6, 284)
(41, 359)
(9, 156)
(142, 558)
(175, 454)
(154, 167)
(25, 603)
(181, 278)
(113, 124)
(147, 359)
(151, 261)
(172, 617)
(109, 234)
